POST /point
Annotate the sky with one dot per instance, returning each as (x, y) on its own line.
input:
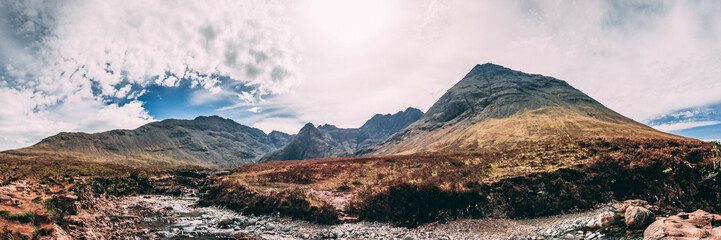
(93, 66)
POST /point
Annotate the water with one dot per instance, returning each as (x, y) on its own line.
(181, 219)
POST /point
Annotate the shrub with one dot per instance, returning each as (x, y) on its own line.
(290, 202)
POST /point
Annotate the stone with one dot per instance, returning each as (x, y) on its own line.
(696, 225)
(408, 238)
(226, 221)
(269, 226)
(338, 234)
(601, 220)
(638, 217)
(251, 222)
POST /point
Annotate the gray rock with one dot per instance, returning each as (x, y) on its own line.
(269, 226)
(251, 222)
(338, 234)
(226, 221)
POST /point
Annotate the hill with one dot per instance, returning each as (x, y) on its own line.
(494, 107)
(205, 141)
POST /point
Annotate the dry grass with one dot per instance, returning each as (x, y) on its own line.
(526, 180)
(544, 124)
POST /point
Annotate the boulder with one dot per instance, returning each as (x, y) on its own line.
(696, 225)
(601, 220)
(638, 217)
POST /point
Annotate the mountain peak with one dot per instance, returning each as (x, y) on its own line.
(493, 106)
(208, 117)
(307, 126)
(486, 68)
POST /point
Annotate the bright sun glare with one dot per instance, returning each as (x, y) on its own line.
(350, 21)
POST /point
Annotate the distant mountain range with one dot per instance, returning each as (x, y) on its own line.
(492, 107)
(217, 142)
(331, 141)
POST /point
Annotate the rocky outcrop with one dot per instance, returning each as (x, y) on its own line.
(331, 141)
(695, 225)
(206, 141)
(493, 107)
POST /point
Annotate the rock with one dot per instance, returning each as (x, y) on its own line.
(638, 217)
(337, 234)
(696, 225)
(251, 222)
(285, 229)
(601, 220)
(226, 221)
(5, 199)
(269, 226)
(408, 238)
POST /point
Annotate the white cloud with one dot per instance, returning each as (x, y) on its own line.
(640, 58)
(28, 117)
(286, 125)
(683, 125)
(60, 62)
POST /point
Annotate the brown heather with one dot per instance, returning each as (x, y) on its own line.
(524, 181)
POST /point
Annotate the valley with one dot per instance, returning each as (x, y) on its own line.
(501, 155)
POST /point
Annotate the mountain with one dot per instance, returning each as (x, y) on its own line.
(494, 107)
(207, 141)
(280, 139)
(330, 141)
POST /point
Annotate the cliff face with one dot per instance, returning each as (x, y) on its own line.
(206, 141)
(495, 107)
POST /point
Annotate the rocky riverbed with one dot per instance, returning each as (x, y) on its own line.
(169, 217)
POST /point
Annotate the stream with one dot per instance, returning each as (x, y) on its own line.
(169, 217)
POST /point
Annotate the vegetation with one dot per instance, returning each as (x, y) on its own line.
(25, 217)
(524, 181)
(289, 202)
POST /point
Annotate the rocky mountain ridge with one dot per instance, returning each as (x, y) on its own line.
(330, 141)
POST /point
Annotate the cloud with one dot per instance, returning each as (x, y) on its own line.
(27, 116)
(286, 125)
(669, 127)
(81, 65)
(640, 58)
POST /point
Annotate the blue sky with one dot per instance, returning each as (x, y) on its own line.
(91, 66)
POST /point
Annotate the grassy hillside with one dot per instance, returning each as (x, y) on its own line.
(39, 163)
(543, 124)
(212, 142)
(528, 180)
